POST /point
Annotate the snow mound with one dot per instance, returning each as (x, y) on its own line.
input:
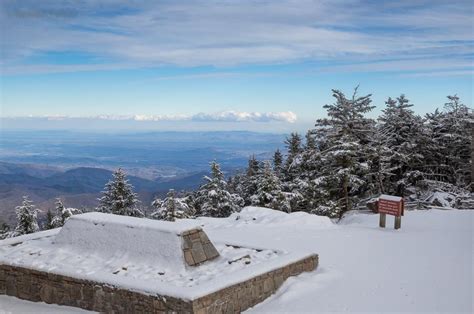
(442, 199)
(271, 217)
(157, 242)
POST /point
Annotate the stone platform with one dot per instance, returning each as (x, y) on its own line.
(114, 264)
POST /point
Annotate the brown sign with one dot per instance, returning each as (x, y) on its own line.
(391, 205)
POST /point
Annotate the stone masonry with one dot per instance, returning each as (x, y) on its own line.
(39, 286)
(197, 248)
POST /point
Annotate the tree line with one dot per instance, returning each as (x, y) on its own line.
(347, 157)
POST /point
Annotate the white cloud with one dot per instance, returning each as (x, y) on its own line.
(221, 33)
(237, 116)
(223, 116)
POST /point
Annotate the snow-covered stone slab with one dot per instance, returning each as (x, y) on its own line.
(102, 262)
(168, 244)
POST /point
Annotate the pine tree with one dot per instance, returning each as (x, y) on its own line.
(345, 135)
(171, 208)
(118, 197)
(26, 215)
(269, 193)
(214, 199)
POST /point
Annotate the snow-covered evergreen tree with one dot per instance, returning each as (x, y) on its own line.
(293, 144)
(49, 220)
(62, 214)
(214, 199)
(250, 180)
(278, 163)
(303, 185)
(4, 230)
(403, 133)
(26, 215)
(171, 208)
(456, 138)
(236, 184)
(346, 134)
(118, 197)
(269, 192)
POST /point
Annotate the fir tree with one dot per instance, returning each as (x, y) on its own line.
(310, 144)
(344, 161)
(4, 230)
(214, 199)
(250, 181)
(171, 208)
(118, 197)
(49, 220)
(26, 215)
(278, 162)
(457, 137)
(62, 214)
(403, 131)
(293, 144)
(269, 193)
(303, 185)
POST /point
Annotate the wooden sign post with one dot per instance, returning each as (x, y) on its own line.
(392, 205)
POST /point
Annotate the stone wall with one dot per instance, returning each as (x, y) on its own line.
(51, 288)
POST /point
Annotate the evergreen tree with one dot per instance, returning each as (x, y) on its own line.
(403, 133)
(49, 220)
(4, 230)
(26, 215)
(310, 144)
(344, 166)
(118, 197)
(236, 184)
(269, 193)
(171, 208)
(457, 137)
(250, 181)
(278, 162)
(214, 199)
(62, 214)
(293, 144)
(303, 187)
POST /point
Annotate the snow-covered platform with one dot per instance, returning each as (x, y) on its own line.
(106, 262)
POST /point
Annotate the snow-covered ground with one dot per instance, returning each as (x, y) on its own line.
(426, 266)
(10, 305)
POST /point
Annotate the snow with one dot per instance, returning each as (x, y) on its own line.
(13, 305)
(146, 240)
(442, 199)
(391, 198)
(426, 266)
(139, 254)
(269, 217)
(137, 223)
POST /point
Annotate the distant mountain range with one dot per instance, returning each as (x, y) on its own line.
(78, 187)
(75, 165)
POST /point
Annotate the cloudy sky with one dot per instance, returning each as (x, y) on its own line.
(232, 64)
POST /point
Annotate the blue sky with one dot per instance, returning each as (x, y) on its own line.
(263, 65)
